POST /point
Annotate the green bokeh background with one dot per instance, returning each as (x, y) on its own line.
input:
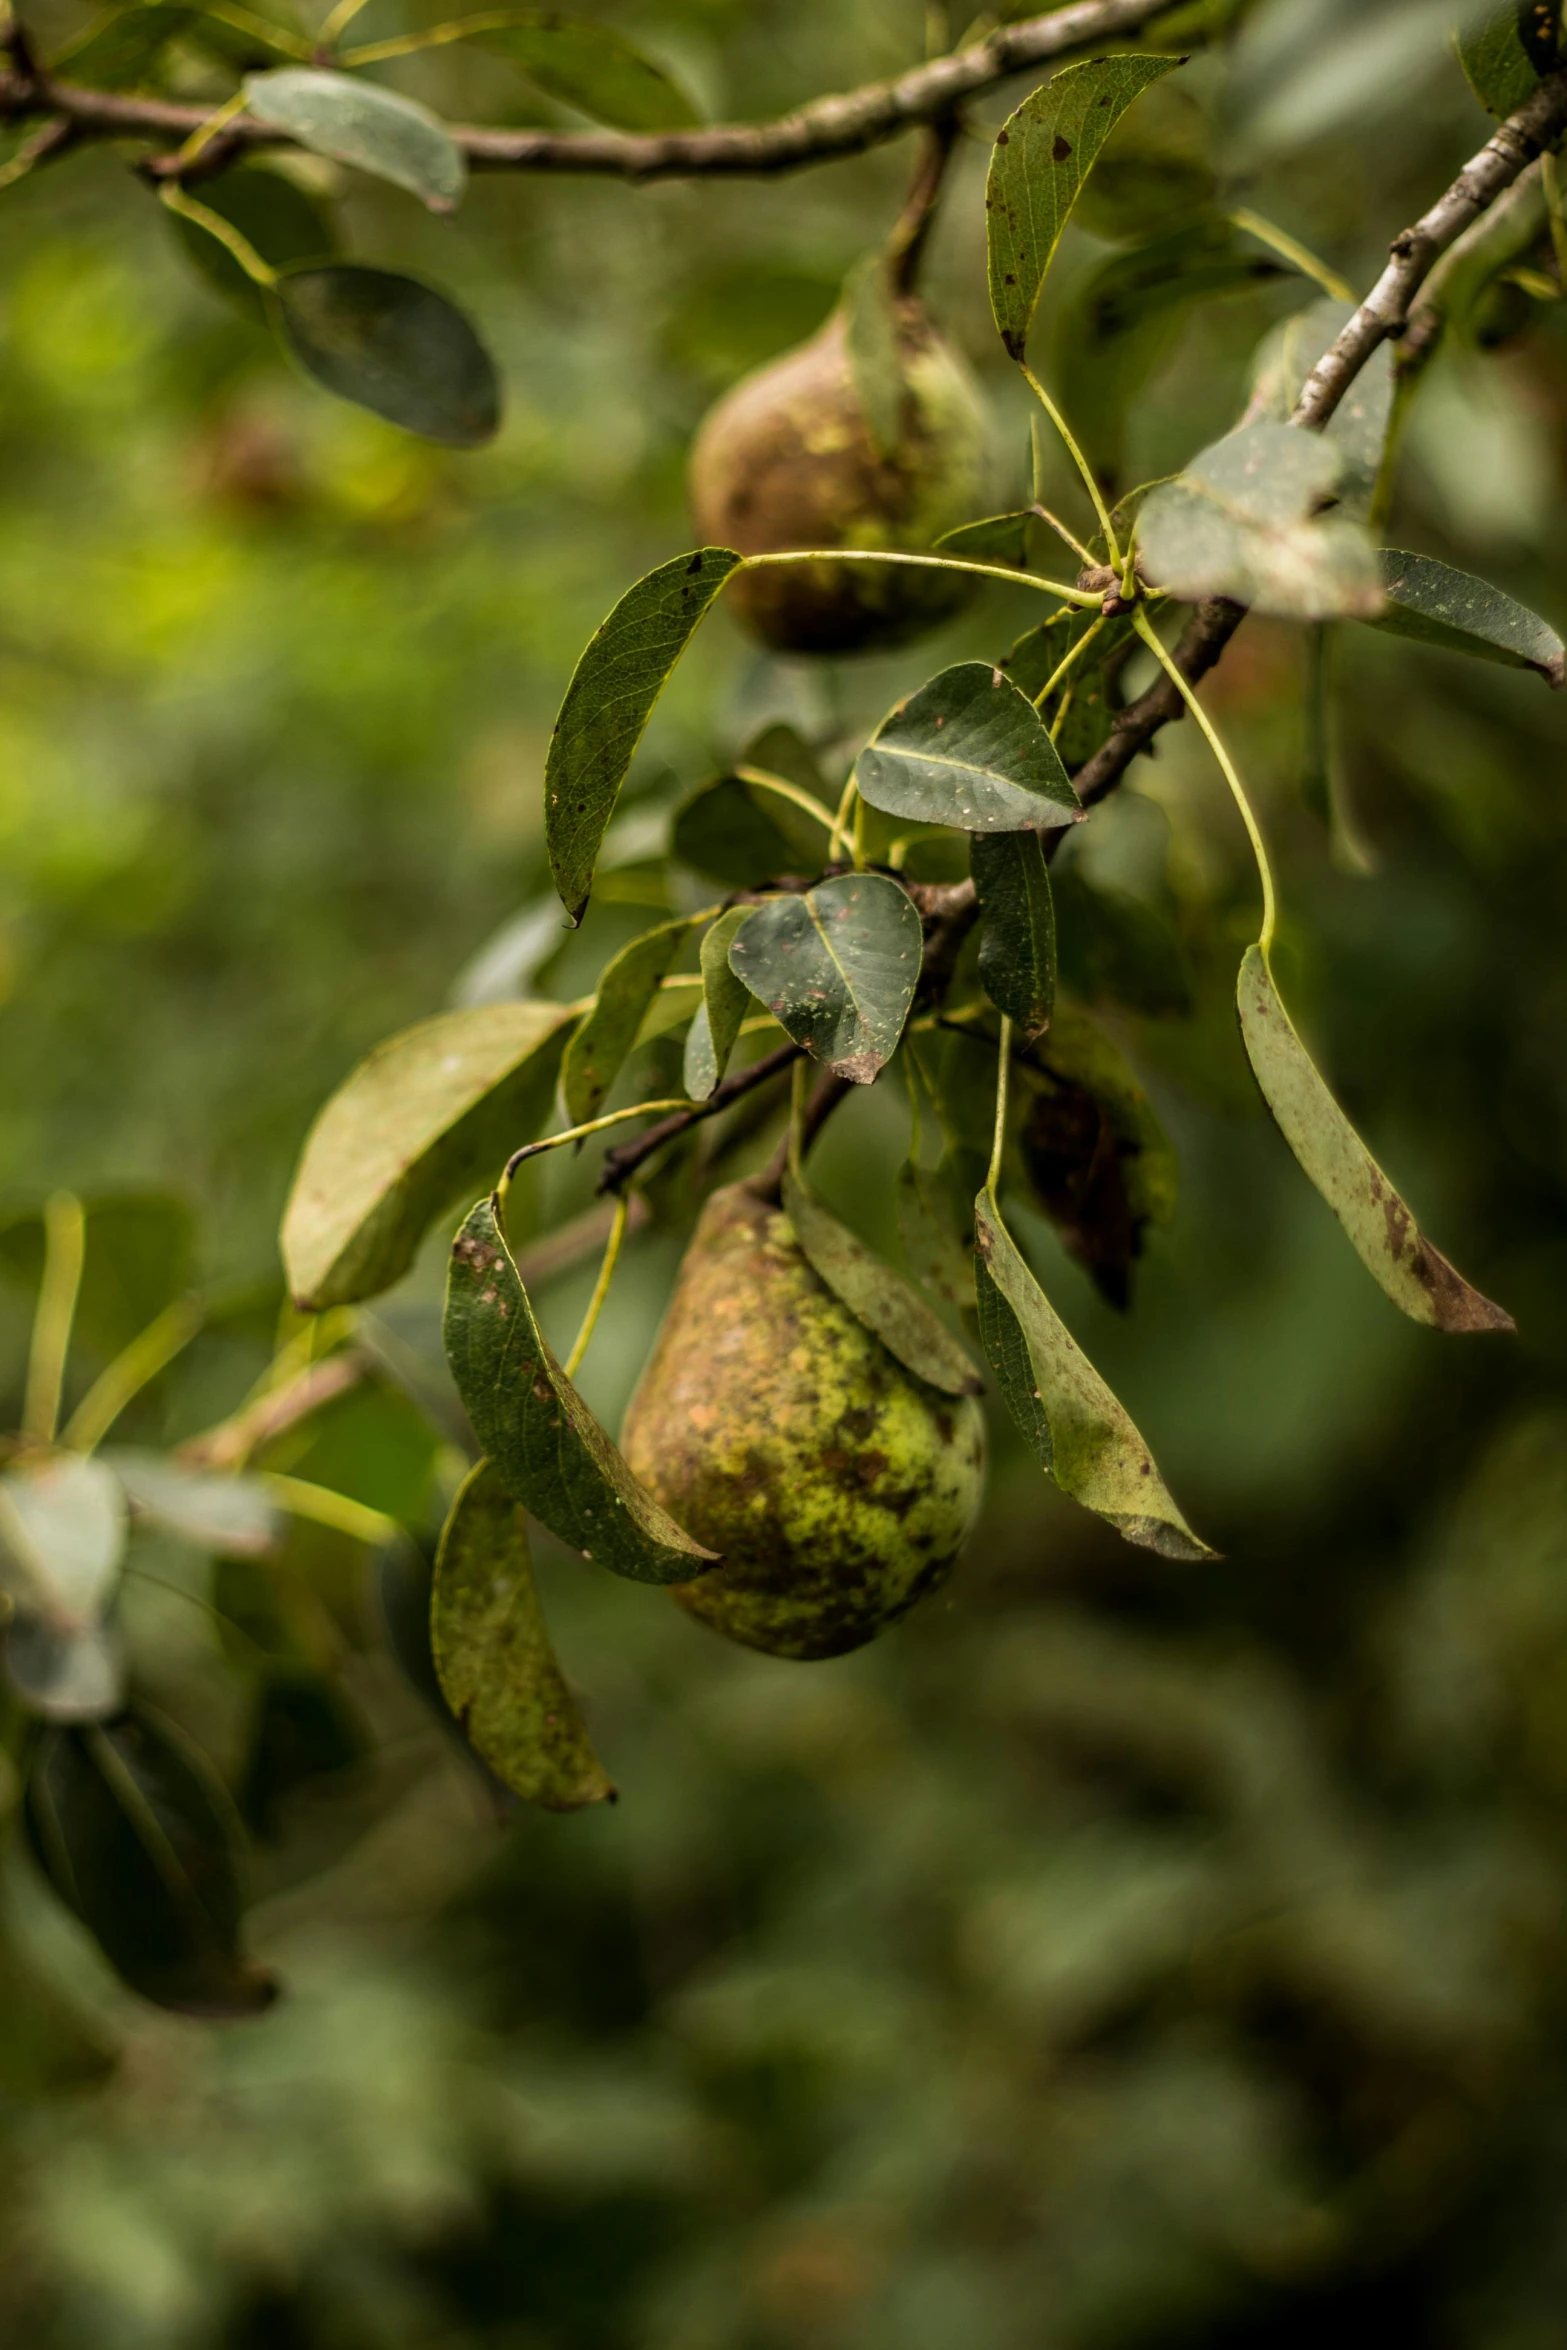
(1118, 1954)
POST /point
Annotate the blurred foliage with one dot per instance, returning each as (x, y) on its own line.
(1117, 1955)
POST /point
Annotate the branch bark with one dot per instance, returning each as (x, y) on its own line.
(821, 132)
(1538, 124)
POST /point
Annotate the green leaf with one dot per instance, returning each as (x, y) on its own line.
(393, 346)
(837, 968)
(717, 1024)
(1098, 1160)
(1041, 158)
(932, 1244)
(1437, 605)
(608, 703)
(1505, 52)
(968, 750)
(547, 1447)
(627, 986)
(62, 1527)
(120, 49)
(230, 1515)
(998, 538)
(874, 347)
(1077, 1431)
(493, 1654)
(1383, 1233)
(358, 122)
(1243, 520)
(877, 1296)
(137, 1836)
(1017, 947)
(1359, 424)
(586, 66)
(429, 1114)
(285, 226)
(65, 1676)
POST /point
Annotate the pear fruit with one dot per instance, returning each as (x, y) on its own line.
(787, 459)
(776, 1428)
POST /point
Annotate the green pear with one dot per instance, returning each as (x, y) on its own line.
(775, 1427)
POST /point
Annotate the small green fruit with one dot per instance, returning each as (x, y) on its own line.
(786, 459)
(779, 1431)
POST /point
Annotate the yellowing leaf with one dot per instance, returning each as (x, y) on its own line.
(1385, 1236)
(431, 1113)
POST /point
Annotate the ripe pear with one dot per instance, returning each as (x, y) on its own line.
(787, 459)
(837, 1487)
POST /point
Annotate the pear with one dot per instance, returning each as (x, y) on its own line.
(837, 1487)
(787, 459)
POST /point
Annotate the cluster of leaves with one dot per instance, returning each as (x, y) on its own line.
(263, 238)
(831, 941)
(131, 1824)
(901, 913)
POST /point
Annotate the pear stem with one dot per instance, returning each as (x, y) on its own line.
(905, 248)
(1004, 1056)
(617, 1233)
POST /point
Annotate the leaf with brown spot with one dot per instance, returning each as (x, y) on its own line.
(1383, 1233)
(608, 703)
(1037, 170)
(548, 1449)
(837, 968)
(627, 987)
(494, 1658)
(1078, 1432)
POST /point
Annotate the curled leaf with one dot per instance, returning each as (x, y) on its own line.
(1383, 1233)
(1077, 1431)
(493, 1654)
(548, 1449)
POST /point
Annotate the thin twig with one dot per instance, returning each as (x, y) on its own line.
(843, 124)
(1536, 125)
(233, 1441)
(622, 1163)
(905, 248)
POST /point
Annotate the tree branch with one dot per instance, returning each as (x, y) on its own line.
(1538, 124)
(622, 1163)
(821, 132)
